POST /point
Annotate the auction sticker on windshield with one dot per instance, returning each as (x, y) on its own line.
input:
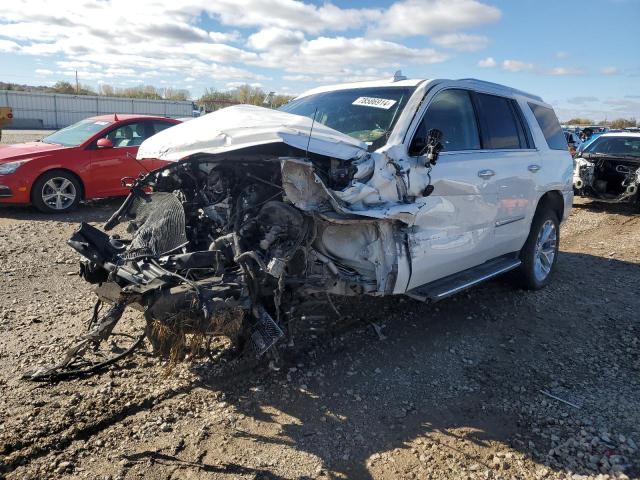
(383, 103)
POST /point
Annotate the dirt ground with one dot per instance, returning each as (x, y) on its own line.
(453, 391)
(15, 136)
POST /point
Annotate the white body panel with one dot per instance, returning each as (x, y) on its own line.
(243, 126)
(455, 228)
(467, 220)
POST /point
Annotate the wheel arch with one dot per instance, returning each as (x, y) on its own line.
(554, 200)
(59, 169)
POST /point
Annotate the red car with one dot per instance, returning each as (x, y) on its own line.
(86, 160)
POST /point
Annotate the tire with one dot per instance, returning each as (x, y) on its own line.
(56, 191)
(540, 252)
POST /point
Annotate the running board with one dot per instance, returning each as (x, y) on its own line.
(445, 287)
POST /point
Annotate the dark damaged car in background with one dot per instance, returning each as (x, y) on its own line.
(398, 187)
(608, 169)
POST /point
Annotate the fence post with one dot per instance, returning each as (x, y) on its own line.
(55, 110)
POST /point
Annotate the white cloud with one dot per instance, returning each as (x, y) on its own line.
(516, 66)
(609, 71)
(608, 108)
(582, 100)
(462, 42)
(488, 62)
(566, 71)
(232, 85)
(344, 58)
(8, 46)
(289, 14)
(43, 71)
(225, 36)
(275, 37)
(426, 17)
(562, 55)
(298, 78)
(153, 39)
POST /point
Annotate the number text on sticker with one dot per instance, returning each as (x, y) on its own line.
(383, 103)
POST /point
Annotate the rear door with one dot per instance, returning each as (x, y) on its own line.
(508, 146)
(454, 229)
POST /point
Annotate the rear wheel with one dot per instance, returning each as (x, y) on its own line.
(56, 191)
(540, 252)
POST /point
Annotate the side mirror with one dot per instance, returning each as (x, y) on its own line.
(104, 143)
(433, 146)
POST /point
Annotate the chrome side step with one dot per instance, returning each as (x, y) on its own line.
(445, 287)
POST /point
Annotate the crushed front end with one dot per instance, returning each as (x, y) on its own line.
(607, 177)
(231, 245)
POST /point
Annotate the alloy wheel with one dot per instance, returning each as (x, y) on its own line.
(545, 250)
(59, 193)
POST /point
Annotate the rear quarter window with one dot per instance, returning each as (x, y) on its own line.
(550, 126)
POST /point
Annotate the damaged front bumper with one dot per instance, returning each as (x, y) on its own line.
(231, 248)
(607, 180)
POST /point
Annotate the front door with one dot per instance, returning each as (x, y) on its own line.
(454, 229)
(109, 166)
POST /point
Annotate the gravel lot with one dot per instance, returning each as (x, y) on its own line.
(454, 391)
(15, 136)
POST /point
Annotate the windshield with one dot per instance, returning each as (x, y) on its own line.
(615, 146)
(363, 113)
(78, 133)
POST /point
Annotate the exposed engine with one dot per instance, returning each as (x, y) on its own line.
(607, 179)
(218, 247)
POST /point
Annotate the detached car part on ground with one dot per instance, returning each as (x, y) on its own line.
(608, 170)
(344, 192)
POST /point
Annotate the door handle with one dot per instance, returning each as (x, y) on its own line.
(534, 168)
(486, 174)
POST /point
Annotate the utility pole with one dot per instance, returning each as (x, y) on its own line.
(77, 84)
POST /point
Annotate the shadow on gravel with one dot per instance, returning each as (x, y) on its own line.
(627, 209)
(92, 211)
(173, 461)
(469, 368)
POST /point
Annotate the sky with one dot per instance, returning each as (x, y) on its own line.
(582, 56)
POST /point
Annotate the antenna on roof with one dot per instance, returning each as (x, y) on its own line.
(115, 117)
(398, 76)
(311, 131)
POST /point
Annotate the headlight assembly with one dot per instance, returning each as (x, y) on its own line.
(10, 167)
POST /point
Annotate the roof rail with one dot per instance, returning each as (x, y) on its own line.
(492, 84)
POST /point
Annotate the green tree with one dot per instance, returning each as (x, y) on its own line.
(623, 123)
(63, 87)
(580, 121)
(213, 99)
(176, 94)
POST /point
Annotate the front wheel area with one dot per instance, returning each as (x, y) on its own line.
(540, 252)
(56, 191)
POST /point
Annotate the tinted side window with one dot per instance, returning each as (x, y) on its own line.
(129, 135)
(550, 126)
(451, 112)
(499, 125)
(158, 126)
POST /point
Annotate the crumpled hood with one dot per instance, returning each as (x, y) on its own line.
(20, 151)
(244, 126)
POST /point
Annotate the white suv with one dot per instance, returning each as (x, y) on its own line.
(416, 187)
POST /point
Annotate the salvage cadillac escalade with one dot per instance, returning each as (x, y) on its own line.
(404, 187)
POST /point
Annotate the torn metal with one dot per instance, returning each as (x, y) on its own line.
(607, 179)
(228, 243)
